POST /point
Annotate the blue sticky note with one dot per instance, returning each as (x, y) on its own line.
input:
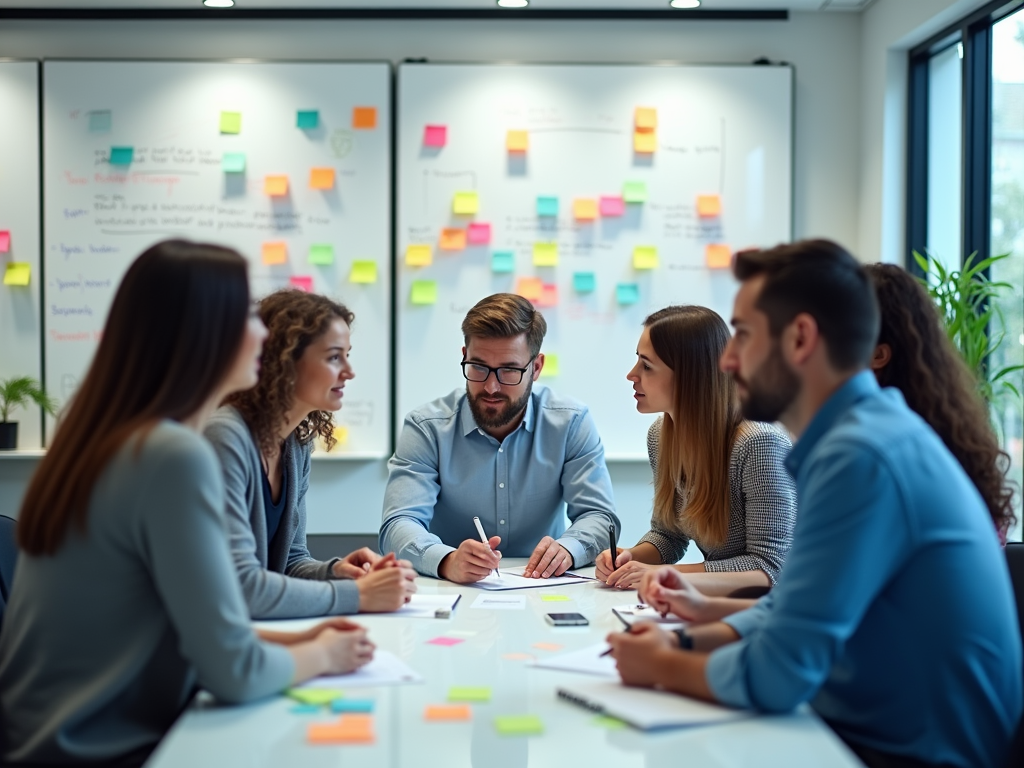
(547, 206)
(584, 282)
(121, 155)
(627, 293)
(306, 709)
(100, 120)
(307, 118)
(352, 705)
(233, 162)
(503, 261)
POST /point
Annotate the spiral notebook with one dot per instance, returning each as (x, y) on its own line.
(646, 709)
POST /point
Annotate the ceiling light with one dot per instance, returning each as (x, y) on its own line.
(685, 3)
(218, 3)
(513, 3)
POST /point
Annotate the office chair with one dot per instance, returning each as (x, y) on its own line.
(1015, 561)
(8, 559)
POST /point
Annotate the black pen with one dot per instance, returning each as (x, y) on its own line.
(612, 547)
(626, 624)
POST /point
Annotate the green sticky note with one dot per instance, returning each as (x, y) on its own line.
(550, 369)
(100, 121)
(321, 253)
(553, 598)
(634, 192)
(547, 205)
(584, 282)
(469, 693)
(503, 261)
(611, 723)
(627, 293)
(307, 118)
(314, 696)
(424, 292)
(545, 254)
(233, 162)
(230, 122)
(121, 155)
(518, 725)
(363, 272)
(645, 257)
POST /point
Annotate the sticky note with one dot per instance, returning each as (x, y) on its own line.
(306, 709)
(445, 641)
(340, 434)
(503, 261)
(548, 295)
(718, 256)
(645, 118)
(478, 233)
(352, 705)
(321, 254)
(584, 282)
(611, 205)
(321, 178)
(230, 122)
(275, 186)
(363, 272)
(709, 205)
(17, 273)
(530, 288)
(121, 155)
(425, 292)
(350, 729)
(315, 696)
(275, 253)
(453, 239)
(364, 118)
(611, 723)
(547, 205)
(302, 282)
(435, 135)
(517, 141)
(545, 254)
(550, 369)
(522, 656)
(307, 119)
(100, 120)
(548, 646)
(5, 240)
(232, 162)
(584, 209)
(518, 725)
(645, 143)
(645, 257)
(465, 203)
(634, 192)
(446, 712)
(418, 255)
(469, 693)
(627, 293)
(553, 598)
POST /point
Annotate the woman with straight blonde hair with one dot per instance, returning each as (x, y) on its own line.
(718, 480)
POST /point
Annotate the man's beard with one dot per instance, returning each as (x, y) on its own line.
(491, 417)
(771, 389)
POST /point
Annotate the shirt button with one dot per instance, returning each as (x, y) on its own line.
(501, 522)
(501, 485)
(501, 450)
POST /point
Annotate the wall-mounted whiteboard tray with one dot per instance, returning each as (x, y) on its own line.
(622, 189)
(29, 455)
(140, 151)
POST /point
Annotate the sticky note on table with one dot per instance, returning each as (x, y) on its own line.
(634, 192)
(350, 729)
(275, 253)
(584, 209)
(645, 118)
(447, 712)
(418, 255)
(545, 254)
(611, 723)
(517, 141)
(718, 256)
(17, 273)
(275, 186)
(302, 282)
(465, 203)
(550, 369)
(469, 693)
(584, 282)
(425, 292)
(548, 646)
(645, 257)
(364, 118)
(709, 206)
(100, 120)
(230, 122)
(530, 288)
(612, 205)
(5, 240)
(478, 233)
(627, 293)
(452, 239)
(314, 696)
(306, 709)
(233, 162)
(363, 272)
(435, 135)
(548, 295)
(503, 261)
(553, 598)
(321, 178)
(122, 155)
(518, 725)
(445, 641)
(547, 205)
(321, 254)
(522, 656)
(352, 705)
(645, 143)
(307, 119)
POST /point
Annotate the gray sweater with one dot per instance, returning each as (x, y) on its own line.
(280, 580)
(104, 642)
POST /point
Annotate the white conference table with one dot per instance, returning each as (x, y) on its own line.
(267, 734)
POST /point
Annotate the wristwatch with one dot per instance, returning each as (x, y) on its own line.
(685, 641)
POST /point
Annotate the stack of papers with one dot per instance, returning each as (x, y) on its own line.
(513, 578)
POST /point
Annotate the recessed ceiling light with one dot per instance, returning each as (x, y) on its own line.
(513, 3)
(219, 3)
(684, 3)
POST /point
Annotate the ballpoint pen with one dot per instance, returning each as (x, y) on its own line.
(483, 538)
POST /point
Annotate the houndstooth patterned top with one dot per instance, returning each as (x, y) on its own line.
(762, 500)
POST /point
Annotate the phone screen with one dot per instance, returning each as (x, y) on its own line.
(567, 619)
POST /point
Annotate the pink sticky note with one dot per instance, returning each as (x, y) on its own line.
(612, 205)
(548, 296)
(435, 135)
(302, 283)
(444, 641)
(5, 240)
(478, 233)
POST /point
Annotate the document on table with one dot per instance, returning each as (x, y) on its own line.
(513, 578)
(646, 709)
(385, 669)
(426, 607)
(641, 612)
(588, 661)
(500, 602)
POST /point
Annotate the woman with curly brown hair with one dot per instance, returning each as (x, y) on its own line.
(264, 439)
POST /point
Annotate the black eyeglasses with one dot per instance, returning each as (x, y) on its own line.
(510, 377)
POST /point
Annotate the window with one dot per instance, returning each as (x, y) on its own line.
(944, 200)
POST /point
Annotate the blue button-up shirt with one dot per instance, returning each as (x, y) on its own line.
(894, 614)
(446, 470)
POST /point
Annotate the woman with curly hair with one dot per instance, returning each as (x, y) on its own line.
(264, 439)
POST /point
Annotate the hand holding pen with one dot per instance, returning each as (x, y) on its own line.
(483, 538)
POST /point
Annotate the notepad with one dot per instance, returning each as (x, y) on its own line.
(646, 709)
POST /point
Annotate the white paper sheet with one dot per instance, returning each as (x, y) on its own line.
(500, 602)
(425, 607)
(513, 578)
(640, 612)
(385, 669)
(588, 661)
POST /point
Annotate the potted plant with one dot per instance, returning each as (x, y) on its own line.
(19, 392)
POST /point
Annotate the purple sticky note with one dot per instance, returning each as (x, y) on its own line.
(444, 641)
(5, 240)
(302, 283)
(612, 205)
(478, 233)
(435, 135)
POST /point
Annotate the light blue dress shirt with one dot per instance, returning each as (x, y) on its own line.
(446, 471)
(894, 614)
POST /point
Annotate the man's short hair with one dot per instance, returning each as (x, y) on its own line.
(505, 316)
(822, 279)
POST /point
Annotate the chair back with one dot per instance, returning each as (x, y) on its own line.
(8, 559)
(1015, 561)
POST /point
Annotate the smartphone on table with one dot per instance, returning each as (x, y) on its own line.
(566, 619)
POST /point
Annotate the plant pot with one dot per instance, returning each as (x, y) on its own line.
(8, 435)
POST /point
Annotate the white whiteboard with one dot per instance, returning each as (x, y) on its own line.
(724, 131)
(100, 215)
(20, 353)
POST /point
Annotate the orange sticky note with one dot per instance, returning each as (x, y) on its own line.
(645, 143)
(517, 141)
(350, 729)
(584, 209)
(442, 712)
(364, 118)
(531, 288)
(645, 118)
(548, 646)
(275, 185)
(321, 178)
(275, 253)
(709, 206)
(453, 239)
(718, 256)
(548, 296)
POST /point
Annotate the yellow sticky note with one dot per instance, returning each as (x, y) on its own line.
(363, 272)
(469, 693)
(418, 255)
(364, 118)
(553, 598)
(275, 186)
(424, 292)
(718, 256)
(453, 239)
(645, 118)
(340, 434)
(17, 273)
(317, 696)
(709, 206)
(584, 209)
(321, 178)
(275, 253)
(230, 122)
(530, 288)
(645, 143)
(645, 257)
(517, 141)
(465, 203)
(545, 254)
(550, 369)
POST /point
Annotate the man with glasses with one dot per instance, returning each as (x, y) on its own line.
(503, 452)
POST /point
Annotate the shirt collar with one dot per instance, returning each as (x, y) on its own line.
(469, 425)
(856, 388)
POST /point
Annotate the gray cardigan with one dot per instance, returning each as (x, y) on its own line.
(282, 582)
(104, 642)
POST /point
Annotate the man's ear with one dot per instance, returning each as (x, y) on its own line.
(463, 353)
(801, 339)
(538, 365)
(881, 358)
